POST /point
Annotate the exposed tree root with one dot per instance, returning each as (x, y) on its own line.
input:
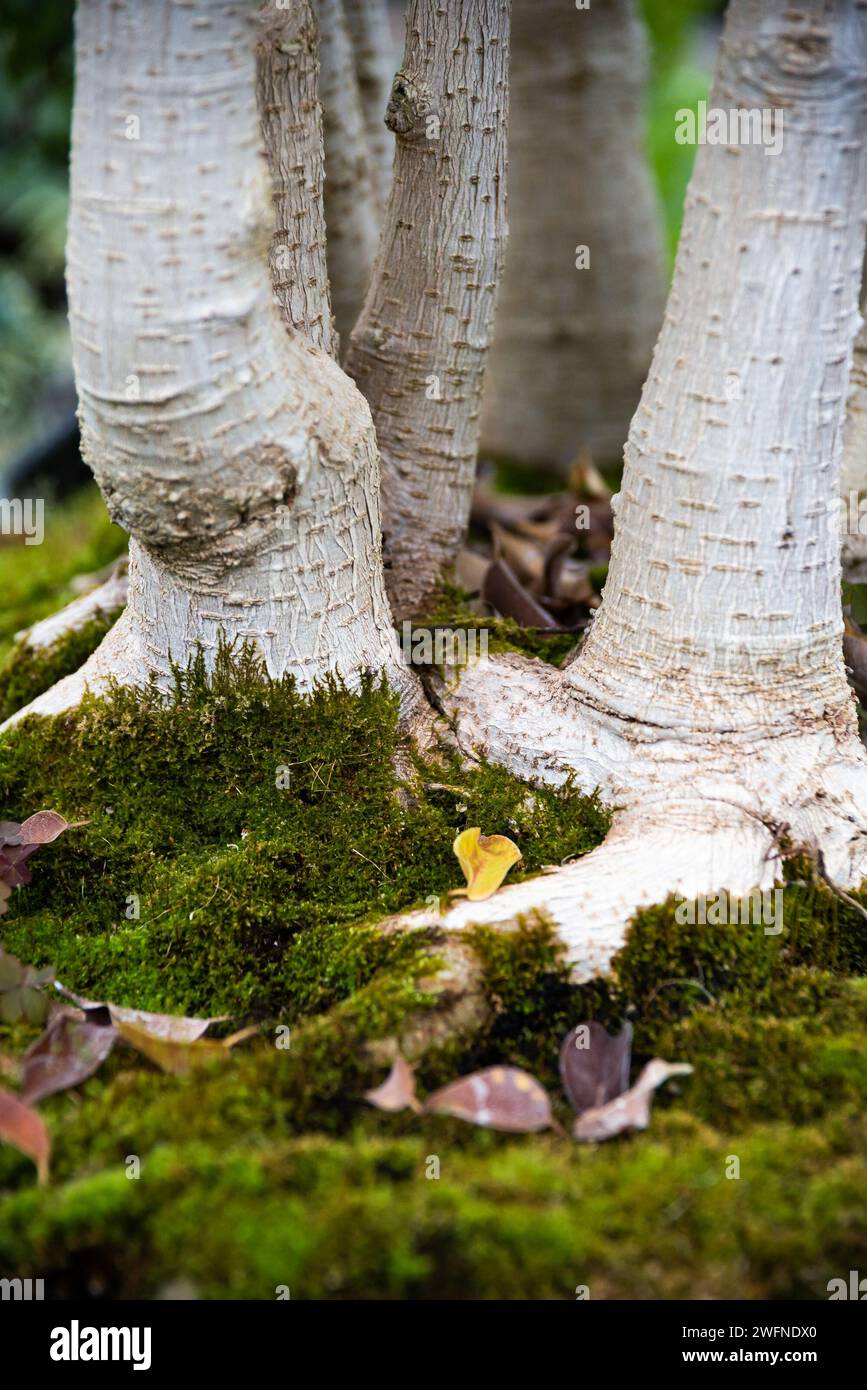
(684, 848)
(98, 602)
(459, 1003)
(695, 813)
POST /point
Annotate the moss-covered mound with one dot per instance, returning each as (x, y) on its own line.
(240, 846)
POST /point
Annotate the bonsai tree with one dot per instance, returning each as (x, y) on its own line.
(709, 702)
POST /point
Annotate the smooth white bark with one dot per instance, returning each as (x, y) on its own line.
(709, 701)
(572, 346)
(419, 349)
(241, 459)
(853, 470)
(99, 602)
(375, 59)
(722, 606)
(291, 117)
(350, 191)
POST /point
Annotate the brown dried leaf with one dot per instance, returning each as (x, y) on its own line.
(498, 1098)
(470, 569)
(585, 480)
(22, 1127)
(397, 1091)
(524, 557)
(505, 508)
(630, 1110)
(18, 842)
(594, 1064)
(505, 593)
(174, 1055)
(42, 828)
(70, 1050)
(168, 1027)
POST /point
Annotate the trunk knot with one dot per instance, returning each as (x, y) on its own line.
(409, 108)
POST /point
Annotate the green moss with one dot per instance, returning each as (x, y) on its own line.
(773, 1024)
(361, 1217)
(25, 674)
(241, 822)
(259, 894)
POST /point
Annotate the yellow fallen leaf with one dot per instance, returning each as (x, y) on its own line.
(485, 860)
(176, 1056)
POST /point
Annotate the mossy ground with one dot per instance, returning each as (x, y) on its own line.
(258, 894)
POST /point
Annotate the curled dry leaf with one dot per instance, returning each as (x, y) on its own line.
(70, 1050)
(630, 1110)
(42, 827)
(18, 842)
(169, 1027)
(176, 1055)
(585, 480)
(485, 860)
(397, 1091)
(499, 1098)
(594, 1065)
(503, 590)
(26, 1131)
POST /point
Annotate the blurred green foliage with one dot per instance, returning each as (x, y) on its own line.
(35, 104)
(682, 40)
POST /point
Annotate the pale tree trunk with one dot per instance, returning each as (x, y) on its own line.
(374, 67)
(241, 459)
(350, 196)
(709, 701)
(291, 117)
(419, 349)
(572, 345)
(853, 472)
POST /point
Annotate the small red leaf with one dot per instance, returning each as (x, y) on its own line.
(42, 828)
(167, 1027)
(499, 1098)
(23, 1128)
(18, 842)
(70, 1050)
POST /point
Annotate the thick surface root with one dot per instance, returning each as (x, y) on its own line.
(113, 659)
(695, 815)
(682, 848)
(99, 602)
